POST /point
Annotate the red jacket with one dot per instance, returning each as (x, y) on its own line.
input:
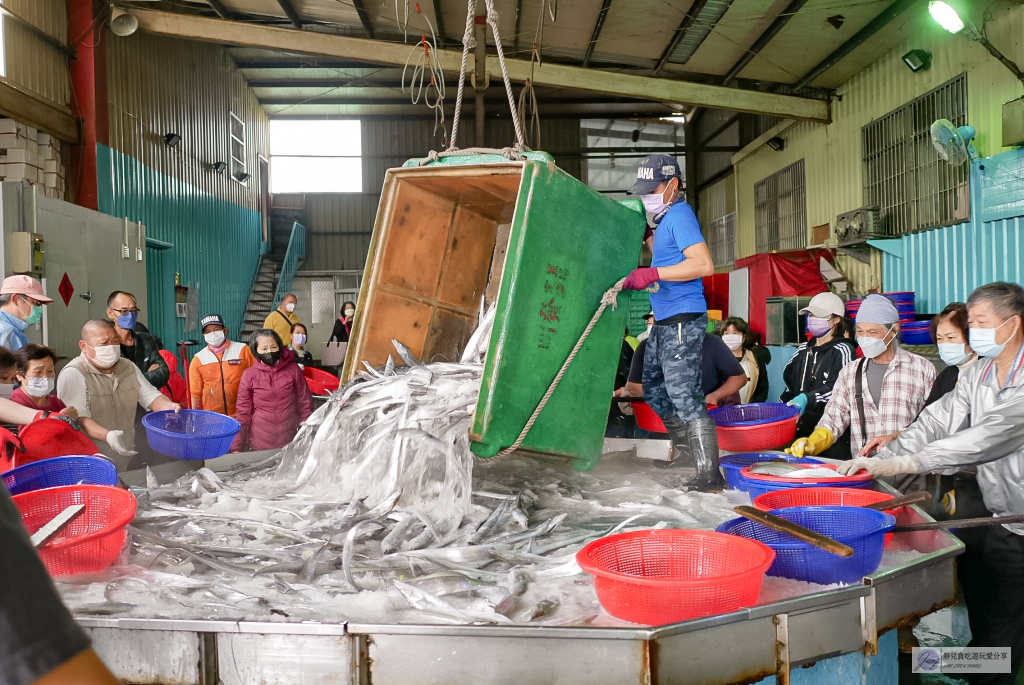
(175, 390)
(272, 402)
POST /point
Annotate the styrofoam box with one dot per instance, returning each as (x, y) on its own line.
(48, 153)
(16, 171)
(31, 134)
(12, 141)
(49, 166)
(50, 179)
(23, 156)
(44, 138)
(12, 126)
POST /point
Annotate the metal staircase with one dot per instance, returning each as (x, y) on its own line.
(261, 296)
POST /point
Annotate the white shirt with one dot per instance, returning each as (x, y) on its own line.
(72, 391)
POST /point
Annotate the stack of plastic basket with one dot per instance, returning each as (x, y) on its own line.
(755, 427)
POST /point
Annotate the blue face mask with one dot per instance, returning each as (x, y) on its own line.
(983, 340)
(128, 321)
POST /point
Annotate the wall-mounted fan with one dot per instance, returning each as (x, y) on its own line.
(952, 143)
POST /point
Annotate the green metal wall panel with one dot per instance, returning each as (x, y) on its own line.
(216, 243)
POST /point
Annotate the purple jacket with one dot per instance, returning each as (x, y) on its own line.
(272, 402)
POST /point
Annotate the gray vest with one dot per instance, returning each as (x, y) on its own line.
(111, 399)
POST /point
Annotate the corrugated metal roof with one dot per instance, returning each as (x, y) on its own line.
(702, 25)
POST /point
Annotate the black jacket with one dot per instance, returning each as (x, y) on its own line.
(144, 353)
(944, 383)
(764, 358)
(340, 332)
(813, 371)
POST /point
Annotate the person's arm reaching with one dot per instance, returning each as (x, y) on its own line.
(698, 264)
(12, 412)
(163, 403)
(305, 398)
(732, 385)
(152, 399)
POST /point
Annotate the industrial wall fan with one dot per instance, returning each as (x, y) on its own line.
(952, 143)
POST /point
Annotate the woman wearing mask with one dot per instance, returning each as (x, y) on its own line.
(736, 336)
(273, 398)
(811, 373)
(37, 377)
(8, 373)
(298, 347)
(343, 326)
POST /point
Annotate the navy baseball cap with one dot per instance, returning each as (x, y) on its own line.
(652, 172)
(211, 320)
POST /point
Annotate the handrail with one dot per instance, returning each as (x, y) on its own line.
(296, 251)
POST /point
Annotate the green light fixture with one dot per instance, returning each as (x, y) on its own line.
(946, 16)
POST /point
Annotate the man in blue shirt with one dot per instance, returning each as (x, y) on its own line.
(672, 363)
(21, 305)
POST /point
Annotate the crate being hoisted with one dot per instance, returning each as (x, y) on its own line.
(535, 240)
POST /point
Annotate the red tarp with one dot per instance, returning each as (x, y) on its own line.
(716, 293)
(781, 274)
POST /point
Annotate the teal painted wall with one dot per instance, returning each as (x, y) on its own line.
(216, 243)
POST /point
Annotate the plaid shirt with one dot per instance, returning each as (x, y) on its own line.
(905, 387)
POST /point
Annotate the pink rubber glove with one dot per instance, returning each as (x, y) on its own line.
(639, 279)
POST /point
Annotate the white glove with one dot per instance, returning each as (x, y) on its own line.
(116, 441)
(849, 468)
(893, 467)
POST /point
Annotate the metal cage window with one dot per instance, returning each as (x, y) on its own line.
(903, 176)
(780, 210)
(721, 234)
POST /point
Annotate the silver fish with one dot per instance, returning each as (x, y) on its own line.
(406, 354)
(775, 468)
(424, 601)
(104, 608)
(350, 549)
(544, 607)
(518, 581)
(308, 570)
(491, 523)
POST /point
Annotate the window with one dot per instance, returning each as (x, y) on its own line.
(322, 299)
(612, 156)
(315, 156)
(780, 210)
(721, 236)
(903, 176)
(238, 171)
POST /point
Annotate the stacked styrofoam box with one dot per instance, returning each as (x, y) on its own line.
(53, 170)
(30, 156)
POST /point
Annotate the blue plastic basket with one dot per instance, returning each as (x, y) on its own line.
(914, 336)
(52, 473)
(755, 488)
(193, 434)
(732, 463)
(902, 297)
(752, 414)
(862, 529)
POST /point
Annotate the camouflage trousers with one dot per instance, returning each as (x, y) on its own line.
(672, 370)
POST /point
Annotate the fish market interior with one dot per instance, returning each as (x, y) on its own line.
(420, 343)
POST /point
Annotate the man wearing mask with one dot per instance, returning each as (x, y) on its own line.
(283, 318)
(216, 371)
(811, 373)
(980, 423)
(649, 320)
(877, 395)
(21, 305)
(672, 362)
(105, 389)
(137, 347)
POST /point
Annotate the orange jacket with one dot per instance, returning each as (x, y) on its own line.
(214, 380)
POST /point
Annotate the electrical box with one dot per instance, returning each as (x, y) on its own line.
(859, 225)
(785, 324)
(1013, 123)
(27, 253)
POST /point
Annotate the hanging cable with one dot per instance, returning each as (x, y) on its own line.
(426, 81)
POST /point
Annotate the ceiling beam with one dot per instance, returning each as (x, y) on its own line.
(855, 41)
(290, 12)
(439, 20)
(773, 30)
(684, 26)
(296, 63)
(364, 18)
(550, 74)
(220, 9)
(601, 16)
(39, 113)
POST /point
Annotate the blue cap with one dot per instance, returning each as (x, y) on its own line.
(652, 172)
(211, 320)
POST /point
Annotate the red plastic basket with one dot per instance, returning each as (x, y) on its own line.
(49, 438)
(655, 577)
(647, 419)
(860, 477)
(828, 497)
(320, 382)
(756, 438)
(91, 542)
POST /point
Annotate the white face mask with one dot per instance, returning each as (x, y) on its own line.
(290, 307)
(106, 355)
(872, 347)
(214, 338)
(350, 312)
(298, 339)
(38, 387)
(983, 340)
(953, 354)
(733, 340)
(6, 390)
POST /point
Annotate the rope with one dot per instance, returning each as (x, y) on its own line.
(468, 43)
(509, 153)
(492, 19)
(419, 86)
(607, 299)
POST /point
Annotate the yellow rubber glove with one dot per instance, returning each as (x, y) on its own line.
(818, 441)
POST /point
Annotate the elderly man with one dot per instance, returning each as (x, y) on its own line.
(137, 347)
(877, 395)
(21, 305)
(283, 318)
(104, 389)
(980, 423)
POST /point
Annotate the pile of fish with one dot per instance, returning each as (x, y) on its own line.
(791, 470)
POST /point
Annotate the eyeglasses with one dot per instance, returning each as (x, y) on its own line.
(133, 310)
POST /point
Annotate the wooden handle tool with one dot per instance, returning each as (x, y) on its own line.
(796, 530)
(961, 523)
(902, 501)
